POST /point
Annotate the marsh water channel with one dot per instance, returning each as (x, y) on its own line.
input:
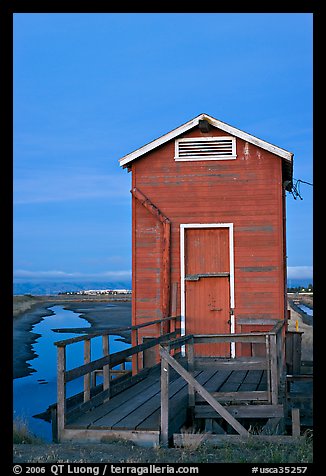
(306, 309)
(34, 393)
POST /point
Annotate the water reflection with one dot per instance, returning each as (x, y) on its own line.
(306, 309)
(34, 393)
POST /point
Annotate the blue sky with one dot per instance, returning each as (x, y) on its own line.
(90, 88)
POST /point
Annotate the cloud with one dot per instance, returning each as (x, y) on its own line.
(57, 274)
(293, 272)
(300, 272)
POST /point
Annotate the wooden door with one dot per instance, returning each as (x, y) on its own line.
(207, 286)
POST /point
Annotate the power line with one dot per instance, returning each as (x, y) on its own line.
(295, 190)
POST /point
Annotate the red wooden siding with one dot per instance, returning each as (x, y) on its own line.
(246, 191)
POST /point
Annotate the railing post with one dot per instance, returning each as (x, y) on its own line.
(87, 377)
(268, 368)
(174, 302)
(274, 371)
(295, 413)
(280, 355)
(164, 436)
(191, 361)
(137, 355)
(93, 378)
(173, 324)
(61, 390)
(106, 368)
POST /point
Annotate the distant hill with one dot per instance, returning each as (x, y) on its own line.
(41, 288)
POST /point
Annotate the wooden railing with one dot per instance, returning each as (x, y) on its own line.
(93, 394)
(273, 362)
(115, 379)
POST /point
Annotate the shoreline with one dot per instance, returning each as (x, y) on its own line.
(27, 302)
(24, 338)
(94, 309)
(24, 320)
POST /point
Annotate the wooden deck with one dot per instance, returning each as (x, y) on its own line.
(138, 408)
(149, 405)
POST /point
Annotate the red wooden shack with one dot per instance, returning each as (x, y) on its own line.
(208, 219)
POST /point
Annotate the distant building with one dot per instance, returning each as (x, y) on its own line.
(96, 292)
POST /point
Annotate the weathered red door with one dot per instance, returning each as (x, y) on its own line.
(207, 286)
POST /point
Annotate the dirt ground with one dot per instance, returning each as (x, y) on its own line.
(124, 452)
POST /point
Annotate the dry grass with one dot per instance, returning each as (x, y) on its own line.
(124, 452)
(22, 434)
(23, 303)
(192, 439)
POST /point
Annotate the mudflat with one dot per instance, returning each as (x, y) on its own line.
(28, 311)
(98, 311)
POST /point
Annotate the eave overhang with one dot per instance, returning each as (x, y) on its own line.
(284, 154)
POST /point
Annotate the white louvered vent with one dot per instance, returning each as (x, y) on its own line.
(205, 148)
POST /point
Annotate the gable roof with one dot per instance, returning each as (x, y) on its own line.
(284, 154)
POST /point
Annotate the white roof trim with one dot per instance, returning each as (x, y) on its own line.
(214, 122)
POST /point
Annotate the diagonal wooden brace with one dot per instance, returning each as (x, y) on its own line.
(166, 252)
(203, 392)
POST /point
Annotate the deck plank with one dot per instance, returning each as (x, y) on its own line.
(116, 402)
(134, 419)
(125, 411)
(177, 403)
(217, 380)
(263, 381)
(251, 381)
(234, 381)
(137, 408)
(127, 408)
(177, 388)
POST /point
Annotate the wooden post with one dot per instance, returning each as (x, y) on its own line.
(274, 370)
(106, 368)
(296, 355)
(220, 409)
(281, 360)
(174, 306)
(191, 361)
(164, 435)
(166, 252)
(87, 377)
(93, 379)
(61, 390)
(137, 355)
(268, 368)
(295, 422)
(54, 421)
(293, 352)
(208, 425)
(166, 270)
